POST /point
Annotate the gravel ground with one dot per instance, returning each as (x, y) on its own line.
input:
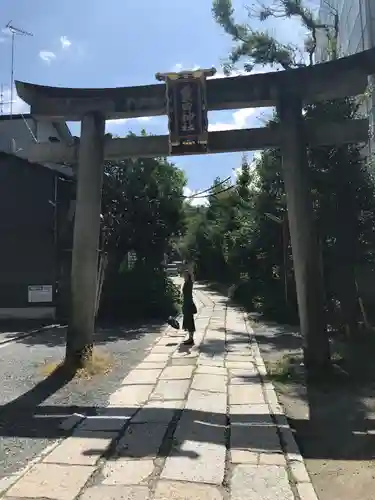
(22, 434)
(12, 329)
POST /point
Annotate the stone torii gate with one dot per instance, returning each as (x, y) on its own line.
(287, 90)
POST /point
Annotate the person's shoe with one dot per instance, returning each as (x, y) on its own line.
(188, 342)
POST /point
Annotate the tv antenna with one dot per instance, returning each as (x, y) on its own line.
(15, 31)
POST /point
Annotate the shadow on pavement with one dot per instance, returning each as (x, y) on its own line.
(331, 419)
(143, 439)
(26, 416)
(56, 335)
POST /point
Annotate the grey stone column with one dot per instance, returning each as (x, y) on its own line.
(305, 249)
(86, 238)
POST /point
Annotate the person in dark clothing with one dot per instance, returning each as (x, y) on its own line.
(188, 308)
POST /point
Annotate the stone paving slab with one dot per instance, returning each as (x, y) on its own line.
(185, 354)
(103, 423)
(256, 414)
(127, 472)
(246, 365)
(158, 411)
(211, 360)
(171, 389)
(177, 372)
(156, 358)
(81, 450)
(211, 370)
(152, 366)
(246, 394)
(196, 423)
(141, 377)
(58, 482)
(185, 491)
(183, 361)
(116, 493)
(131, 395)
(162, 349)
(208, 402)
(196, 461)
(255, 438)
(210, 383)
(141, 440)
(254, 482)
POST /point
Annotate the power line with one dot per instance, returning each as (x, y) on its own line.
(215, 193)
(199, 193)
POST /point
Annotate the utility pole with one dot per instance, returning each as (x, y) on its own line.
(14, 31)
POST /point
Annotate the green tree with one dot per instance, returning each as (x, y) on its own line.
(142, 213)
(341, 185)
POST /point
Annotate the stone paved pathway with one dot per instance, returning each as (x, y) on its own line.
(201, 423)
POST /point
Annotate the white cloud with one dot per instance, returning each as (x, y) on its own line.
(252, 159)
(6, 31)
(114, 126)
(65, 42)
(219, 72)
(195, 202)
(47, 56)
(19, 106)
(240, 119)
(122, 121)
(177, 68)
(240, 72)
(181, 67)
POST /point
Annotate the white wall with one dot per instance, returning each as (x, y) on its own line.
(22, 131)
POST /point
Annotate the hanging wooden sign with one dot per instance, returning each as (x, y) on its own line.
(187, 110)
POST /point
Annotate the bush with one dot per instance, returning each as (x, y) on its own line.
(139, 293)
(267, 298)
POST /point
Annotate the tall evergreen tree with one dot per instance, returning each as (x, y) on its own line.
(342, 188)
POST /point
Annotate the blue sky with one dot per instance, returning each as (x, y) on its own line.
(92, 43)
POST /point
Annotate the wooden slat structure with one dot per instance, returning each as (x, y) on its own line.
(229, 141)
(344, 77)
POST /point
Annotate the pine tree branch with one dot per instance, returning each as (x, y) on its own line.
(259, 46)
(294, 8)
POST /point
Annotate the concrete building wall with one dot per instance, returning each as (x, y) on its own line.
(355, 27)
(34, 203)
(356, 33)
(14, 133)
(18, 132)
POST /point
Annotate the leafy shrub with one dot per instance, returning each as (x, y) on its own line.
(139, 293)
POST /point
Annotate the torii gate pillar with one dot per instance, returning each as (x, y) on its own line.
(86, 239)
(303, 235)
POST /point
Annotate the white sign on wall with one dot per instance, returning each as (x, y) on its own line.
(132, 259)
(40, 293)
